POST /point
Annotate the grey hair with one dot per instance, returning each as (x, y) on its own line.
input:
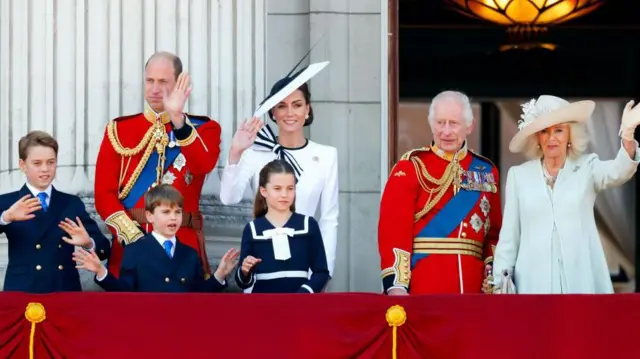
(459, 97)
(578, 138)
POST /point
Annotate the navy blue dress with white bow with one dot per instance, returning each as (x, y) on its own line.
(287, 255)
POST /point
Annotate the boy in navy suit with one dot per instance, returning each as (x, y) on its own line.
(35, 220)
(158, 262)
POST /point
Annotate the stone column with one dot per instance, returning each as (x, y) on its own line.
(68, 66)
(346, 98)
(347, 101)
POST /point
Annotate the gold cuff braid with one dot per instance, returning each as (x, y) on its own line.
(126, 230)
(401, 267)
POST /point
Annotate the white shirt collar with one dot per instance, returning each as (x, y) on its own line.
(161, 239)
(35, 191)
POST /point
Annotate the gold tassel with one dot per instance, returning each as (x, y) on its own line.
(396, 316)
(35, 314)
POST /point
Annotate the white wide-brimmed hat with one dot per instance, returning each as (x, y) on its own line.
(545, 112)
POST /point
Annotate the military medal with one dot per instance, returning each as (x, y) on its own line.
(188, 177)
(487, 226)
(168, 178)
(485, 206)
(179, 162)
(172, 142)
(476, 222)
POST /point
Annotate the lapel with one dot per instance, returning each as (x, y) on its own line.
(46, 220)
(565, 178)
(179, 256)
(156, 252)
(31, 226)
(540, 184)
(41, 224)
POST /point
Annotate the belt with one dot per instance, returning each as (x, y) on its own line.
(189, 219)
(282, 274)
(448, 246)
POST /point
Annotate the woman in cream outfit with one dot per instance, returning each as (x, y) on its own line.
(549, 242)
(315, 165)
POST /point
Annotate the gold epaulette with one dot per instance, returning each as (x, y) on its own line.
(407, 155)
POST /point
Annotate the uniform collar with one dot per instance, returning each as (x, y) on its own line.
(153, 116)
(448, 156)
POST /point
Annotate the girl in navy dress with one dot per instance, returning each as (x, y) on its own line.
(280, 247)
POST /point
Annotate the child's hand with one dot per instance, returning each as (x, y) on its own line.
(248, 264)
(22, 210)
(228, 261)
(79, 235)
(89, 261)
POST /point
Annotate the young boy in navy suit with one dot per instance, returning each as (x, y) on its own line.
(37, 219)
(158, 262)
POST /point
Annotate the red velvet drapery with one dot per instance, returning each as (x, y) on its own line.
(140, 325)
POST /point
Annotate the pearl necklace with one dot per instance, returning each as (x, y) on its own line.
(551, 180)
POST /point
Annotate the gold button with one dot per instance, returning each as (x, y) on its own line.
(102, 251)
(464, 234)
(60, 267)
(59, 245)
(182, 280)
(38, 267)
(166, 279)
(38, 246)
(464, 224)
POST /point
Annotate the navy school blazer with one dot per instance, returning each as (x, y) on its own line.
(146, 267)
(39, 260)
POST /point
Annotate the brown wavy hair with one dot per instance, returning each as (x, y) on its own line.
(260, 207)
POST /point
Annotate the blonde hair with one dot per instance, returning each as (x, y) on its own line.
(578, 138)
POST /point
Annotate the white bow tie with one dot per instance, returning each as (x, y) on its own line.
(280, 240)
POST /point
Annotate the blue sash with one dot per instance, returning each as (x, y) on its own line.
(456, 210)
(148, 175)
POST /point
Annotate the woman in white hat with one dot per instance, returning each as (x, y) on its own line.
(549, 242)
(315, 165)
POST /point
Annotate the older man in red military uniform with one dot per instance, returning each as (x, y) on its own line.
(440, 212)
(160, 145)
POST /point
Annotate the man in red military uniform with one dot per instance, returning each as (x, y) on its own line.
(440, 211)
(160, 145)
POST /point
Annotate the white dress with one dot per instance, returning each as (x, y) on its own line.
(317, 185)
(549, 238)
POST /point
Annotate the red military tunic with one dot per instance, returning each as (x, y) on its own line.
(439, 222)
(128, 164)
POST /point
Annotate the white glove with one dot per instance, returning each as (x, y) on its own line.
(630, 120)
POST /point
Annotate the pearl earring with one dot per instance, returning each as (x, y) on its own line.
(569, 145)
(307, 117)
